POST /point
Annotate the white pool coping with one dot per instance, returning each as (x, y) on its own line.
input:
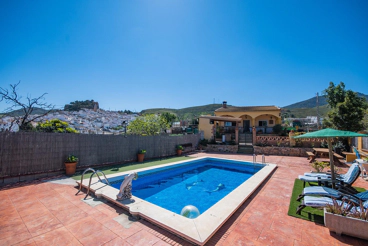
(198, 230)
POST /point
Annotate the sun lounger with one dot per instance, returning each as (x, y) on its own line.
(329, 192)
(362, 162)
(320, 202)
(341, 180)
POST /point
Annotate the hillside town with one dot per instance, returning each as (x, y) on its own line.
(85, 121)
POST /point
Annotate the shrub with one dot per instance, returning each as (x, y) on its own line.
(277, 129)
(319, 166)
(142, 151)
(203, 142)
(324, 144)
(55, 125)
(339, 145)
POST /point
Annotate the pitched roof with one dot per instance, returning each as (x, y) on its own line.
(247, 108)
(219, 118)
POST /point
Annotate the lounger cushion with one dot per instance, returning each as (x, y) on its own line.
(352, 173)
(321, 191)
(317, 175)
(315, 201)
(363, 195)
(313, 179)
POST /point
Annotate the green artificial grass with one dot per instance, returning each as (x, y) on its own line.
(132, 166)
(308, 213)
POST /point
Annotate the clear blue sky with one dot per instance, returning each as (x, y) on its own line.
(176, 54)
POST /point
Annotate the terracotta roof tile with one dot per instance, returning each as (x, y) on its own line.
(247, 108)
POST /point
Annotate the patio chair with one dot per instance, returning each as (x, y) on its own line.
(345, 180)
(364, 169)
(329, 192)
(320, 202)
(362, 163)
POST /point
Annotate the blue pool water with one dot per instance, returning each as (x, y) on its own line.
(200, 183)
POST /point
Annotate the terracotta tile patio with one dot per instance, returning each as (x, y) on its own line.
(44, 213)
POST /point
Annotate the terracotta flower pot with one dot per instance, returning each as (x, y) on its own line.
(178, 152)
(70, 168)
(140, 157)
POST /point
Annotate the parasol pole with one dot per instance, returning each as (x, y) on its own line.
(331, 162)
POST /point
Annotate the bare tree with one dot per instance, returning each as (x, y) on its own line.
(12, 98)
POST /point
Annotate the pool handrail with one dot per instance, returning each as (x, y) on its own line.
(90, 179)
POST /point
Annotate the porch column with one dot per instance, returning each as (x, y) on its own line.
(253, 122)
(236, 133)
(254, 135)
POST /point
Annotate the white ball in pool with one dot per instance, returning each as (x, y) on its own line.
(190, 212)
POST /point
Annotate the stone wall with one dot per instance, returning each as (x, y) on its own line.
(221, 148)
(284, 151)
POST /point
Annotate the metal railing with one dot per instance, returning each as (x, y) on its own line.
(90, 179)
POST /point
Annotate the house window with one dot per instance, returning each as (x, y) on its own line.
(270, 122)
(228, 123)
(262, 123)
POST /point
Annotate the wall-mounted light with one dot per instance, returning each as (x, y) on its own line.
(124, 124)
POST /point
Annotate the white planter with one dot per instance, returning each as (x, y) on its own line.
(346, 225)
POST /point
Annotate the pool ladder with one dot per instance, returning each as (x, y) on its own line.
(255, 158)
(90, 179)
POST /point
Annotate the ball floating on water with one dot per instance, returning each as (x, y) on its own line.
(190, 212)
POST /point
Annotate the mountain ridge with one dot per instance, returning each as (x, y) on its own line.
(312, 102)
(296, 110)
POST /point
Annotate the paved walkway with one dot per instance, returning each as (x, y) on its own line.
(48, 213)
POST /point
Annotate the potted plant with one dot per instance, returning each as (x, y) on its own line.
(141, 153)
(179, 150)
(345, 219)
(71, 164)
(338, 147)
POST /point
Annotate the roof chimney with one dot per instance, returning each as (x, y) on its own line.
(224, 104)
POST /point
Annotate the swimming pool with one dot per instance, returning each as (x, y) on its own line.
(200, 229)
(200, 183)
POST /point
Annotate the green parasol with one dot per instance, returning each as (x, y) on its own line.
(329, 134)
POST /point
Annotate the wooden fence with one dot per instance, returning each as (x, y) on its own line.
(26, 153)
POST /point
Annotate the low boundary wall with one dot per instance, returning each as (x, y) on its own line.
(284, 151)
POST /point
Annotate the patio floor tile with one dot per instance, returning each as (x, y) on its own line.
(14, 235)
(60, 236)
(99, 238)
(84, 227)
(9, 213)
(252, 232)
(126, 232)
(43, 224)
(29, 242)
(142, 238)
(117, 242)
(274, 237)
(33, 213)
(70, 215)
